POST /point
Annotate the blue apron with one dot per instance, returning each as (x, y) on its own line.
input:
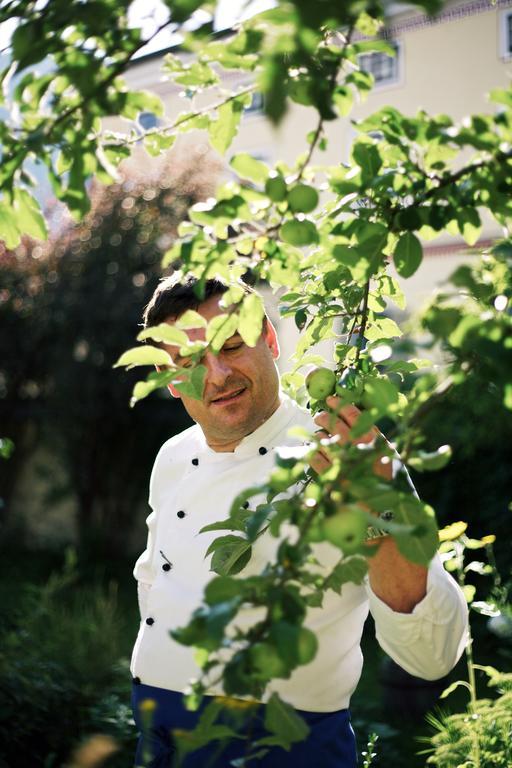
(330, 743)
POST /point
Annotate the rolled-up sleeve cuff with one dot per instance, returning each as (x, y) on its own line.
(429, 641)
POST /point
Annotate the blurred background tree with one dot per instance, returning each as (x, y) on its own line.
(68, 308)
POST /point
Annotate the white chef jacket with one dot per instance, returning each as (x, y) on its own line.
(192, 486)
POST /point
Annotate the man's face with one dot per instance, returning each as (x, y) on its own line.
(241, 387)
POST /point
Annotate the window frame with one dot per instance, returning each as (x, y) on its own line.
(398, 59)
(505, 34)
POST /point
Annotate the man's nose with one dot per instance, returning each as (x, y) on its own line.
(217, 368)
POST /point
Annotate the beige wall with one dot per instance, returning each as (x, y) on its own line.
(447, 67)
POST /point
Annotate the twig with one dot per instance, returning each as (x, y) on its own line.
(500, 158)
(184, 119)
(116, 71)
(364, 313)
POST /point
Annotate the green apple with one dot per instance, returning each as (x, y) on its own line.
(302, 198)
(350, 385)
(266, 661)
(346, 529)
(320, 383)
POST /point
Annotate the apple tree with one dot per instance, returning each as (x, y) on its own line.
(325, 238)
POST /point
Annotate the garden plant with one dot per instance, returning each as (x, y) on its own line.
(328, 240)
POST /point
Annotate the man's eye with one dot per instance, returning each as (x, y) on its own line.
(233, 347)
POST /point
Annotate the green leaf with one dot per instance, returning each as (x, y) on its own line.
(193, 386)
(343, 98)
(247, 167)
(501, 96)
(507, 398)
(9, 232)
(453, 686)
(352, 569)
(30, 219)
(368, 159)
(182, 10)
(272, 83)
(299, 233)
(469, 225)
(199, 74)
(143, 355)
(206, 628)
(469, 592)
(190, 319)
(430, 461)
(467, 325)
(155, 380)
(230, 556)
(223, 130)
(235, 522)
(220, 328)
(380, 394)
(419, 547)
(382, 328)
(155, 143)
(282, 720)
(6, 447)
(250, 321)
(222, 588)
(389, 286)
(367, 25)
(275, 188)
(408, 254)
(164, 333)
(141, 101)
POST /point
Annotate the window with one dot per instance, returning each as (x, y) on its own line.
(147, 120)
(256, 105)
(385, 69)
(506, 34)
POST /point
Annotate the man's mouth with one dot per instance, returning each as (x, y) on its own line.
(228, 397)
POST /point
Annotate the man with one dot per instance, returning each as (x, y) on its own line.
(420, 614)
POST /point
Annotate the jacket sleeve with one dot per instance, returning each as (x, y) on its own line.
(429, 641)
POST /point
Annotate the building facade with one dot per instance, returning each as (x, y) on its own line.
(446, 64)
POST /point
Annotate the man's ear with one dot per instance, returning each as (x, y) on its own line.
(172, 389)
(270, 336)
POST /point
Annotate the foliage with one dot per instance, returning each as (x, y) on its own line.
(480, 736)
(409, 178)
(491, 719)
(52, 695)
(468, 333)
(369, 754)
(65, 75)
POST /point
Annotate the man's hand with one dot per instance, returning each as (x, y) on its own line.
(396, 581)
(339, 422)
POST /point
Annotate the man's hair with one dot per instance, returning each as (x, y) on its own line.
(177, 293)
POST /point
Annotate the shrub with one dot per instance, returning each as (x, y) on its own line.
(64, 672)
(490, 723)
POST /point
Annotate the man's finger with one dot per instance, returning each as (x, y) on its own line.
(349, 413)
(320, 462)
(332, 425)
